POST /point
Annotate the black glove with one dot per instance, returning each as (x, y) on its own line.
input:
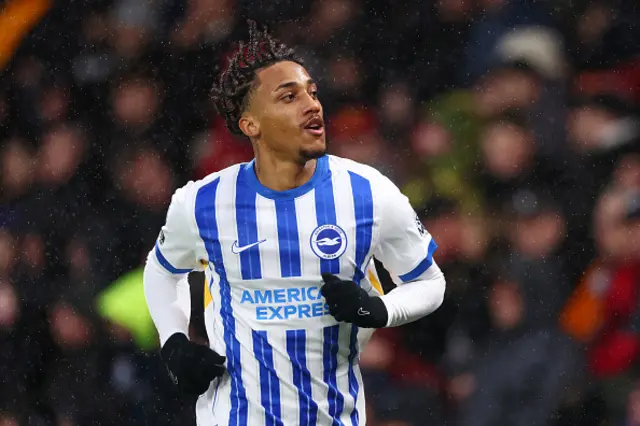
(191, 366)
(348, 302)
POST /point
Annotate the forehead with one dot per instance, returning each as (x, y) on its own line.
(282, 72)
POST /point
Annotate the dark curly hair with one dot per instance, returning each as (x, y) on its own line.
(233, 91)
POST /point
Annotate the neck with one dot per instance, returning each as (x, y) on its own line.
(281, 175)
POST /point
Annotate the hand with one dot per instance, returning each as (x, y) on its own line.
(348, 302)
(191, 366)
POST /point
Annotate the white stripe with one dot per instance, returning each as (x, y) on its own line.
(288, 392)
(268, 230)
(254, 393)
(227, 228)
(319, 389)
(253, 385)
(345, 215)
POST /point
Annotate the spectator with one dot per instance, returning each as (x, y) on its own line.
(525, 361)
(603, 310)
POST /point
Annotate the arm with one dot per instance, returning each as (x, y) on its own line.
(406, 250)
(191, 366)
(173, 257)
(415, 299)
(168, 300)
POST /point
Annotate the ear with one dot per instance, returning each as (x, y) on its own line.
(249, 126)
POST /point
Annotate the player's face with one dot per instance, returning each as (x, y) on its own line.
(287, 112)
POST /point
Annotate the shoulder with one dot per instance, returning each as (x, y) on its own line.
(379, 182)
(344, 165)
(188, 193)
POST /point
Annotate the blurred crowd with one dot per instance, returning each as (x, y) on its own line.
(512, 125)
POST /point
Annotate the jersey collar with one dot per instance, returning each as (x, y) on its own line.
(322, 169)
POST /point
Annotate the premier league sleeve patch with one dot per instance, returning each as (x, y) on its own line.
(420, 225)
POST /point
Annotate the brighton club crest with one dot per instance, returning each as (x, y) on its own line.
(328, 241)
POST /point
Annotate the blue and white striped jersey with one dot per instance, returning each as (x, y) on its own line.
(289, 361)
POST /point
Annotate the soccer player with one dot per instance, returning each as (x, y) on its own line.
(285, 242)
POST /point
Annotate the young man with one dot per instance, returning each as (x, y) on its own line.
(285, 242)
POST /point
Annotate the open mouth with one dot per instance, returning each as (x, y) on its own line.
(315, 126)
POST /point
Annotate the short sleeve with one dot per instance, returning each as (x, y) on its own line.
(175, 248)
(405, 247)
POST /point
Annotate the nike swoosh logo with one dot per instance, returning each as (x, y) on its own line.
(362, 312)
(237, 249)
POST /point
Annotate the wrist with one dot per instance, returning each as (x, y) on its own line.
(379, 312)
(387, 311)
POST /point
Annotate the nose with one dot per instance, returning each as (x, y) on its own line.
(312, 105)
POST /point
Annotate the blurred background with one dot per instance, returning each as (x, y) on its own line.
(512, 125)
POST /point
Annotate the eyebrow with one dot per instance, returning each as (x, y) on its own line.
(290, 84)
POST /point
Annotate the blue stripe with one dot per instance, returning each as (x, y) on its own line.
(354, 385)
(326, 215)
(363, 212)
(247, 225)
(296, 348)
(167, 265)
(269, 384)
(205, 211)
(288, 241)
(330, 364)
(422, 266)
(363, 215)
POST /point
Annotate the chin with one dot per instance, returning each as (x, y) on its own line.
(312, 154)
(319, 149)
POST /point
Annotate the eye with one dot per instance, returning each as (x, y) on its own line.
(314, 93)
(289, 97)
